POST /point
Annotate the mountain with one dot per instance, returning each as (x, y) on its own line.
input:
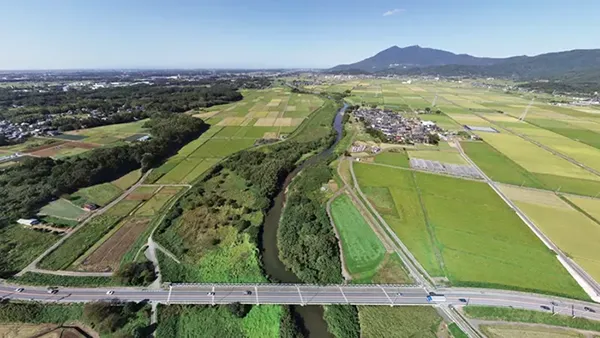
(413, 56)
(415, 60)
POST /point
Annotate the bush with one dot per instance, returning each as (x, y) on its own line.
(342, 321)
(133, 273)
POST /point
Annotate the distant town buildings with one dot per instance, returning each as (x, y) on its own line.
(398, 128)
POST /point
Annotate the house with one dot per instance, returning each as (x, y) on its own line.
(90, 207)
(29, 222)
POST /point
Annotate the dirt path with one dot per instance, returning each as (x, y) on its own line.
(33, 265)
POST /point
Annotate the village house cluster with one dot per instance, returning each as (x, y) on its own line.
(398, 128)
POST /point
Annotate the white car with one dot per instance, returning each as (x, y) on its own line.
(210, 293)
(110, 292)
(20, 290)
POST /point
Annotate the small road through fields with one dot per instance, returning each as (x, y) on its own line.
(33, 265)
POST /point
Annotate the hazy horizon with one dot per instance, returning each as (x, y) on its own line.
(112, 35)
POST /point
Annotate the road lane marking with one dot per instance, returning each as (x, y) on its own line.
(342, 291)
(388, 297)
(300, 294)
(256, 293)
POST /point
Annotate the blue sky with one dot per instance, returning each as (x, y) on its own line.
(63, 34)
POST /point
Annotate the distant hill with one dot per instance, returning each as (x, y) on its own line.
(413, 56)
(415, 60)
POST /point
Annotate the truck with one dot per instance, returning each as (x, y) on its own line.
(436, 298)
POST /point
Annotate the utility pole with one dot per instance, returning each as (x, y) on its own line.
(573, 310)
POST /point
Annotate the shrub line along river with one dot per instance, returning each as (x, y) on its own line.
(311, 316)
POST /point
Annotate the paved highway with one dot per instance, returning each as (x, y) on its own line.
(385, 295)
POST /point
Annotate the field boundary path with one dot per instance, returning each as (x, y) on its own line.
(33, 265)
(589, 284)
(72, 273)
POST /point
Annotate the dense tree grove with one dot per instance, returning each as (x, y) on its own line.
(37, 181)
(109, 317)
(135, 273)
(342, 321)
(305, 238)
(21, 106)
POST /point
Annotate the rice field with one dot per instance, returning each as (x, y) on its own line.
(452, 157)
(111, 133)
(463, 231)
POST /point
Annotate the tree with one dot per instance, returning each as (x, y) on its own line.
(239, 310)
(433, 139)
(427, 110)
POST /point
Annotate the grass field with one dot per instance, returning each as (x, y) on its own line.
(441, 156)
(397, 159)
(20, 246)
(62, 208)
(128, 180)
(573, 232)
(466, 225)
(100, 194)
(527, 316)
(400, 321)
(517, 331)
(78, 243)
(217, 321)
(111, 133)
(154, 204)
(363, 251)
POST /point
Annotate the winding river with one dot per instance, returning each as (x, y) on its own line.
(310, 316)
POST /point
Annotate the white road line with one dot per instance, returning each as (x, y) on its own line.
(388, 297)
(300, 294)
(213, 295)
(342, 291)
(256, 293)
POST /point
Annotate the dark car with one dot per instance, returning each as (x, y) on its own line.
(247, 292)
(547, 308)
(462, 300)
(210, 293)
(589, 309)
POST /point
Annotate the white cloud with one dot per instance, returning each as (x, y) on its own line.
(393, 12)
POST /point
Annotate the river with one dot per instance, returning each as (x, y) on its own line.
(310, 316)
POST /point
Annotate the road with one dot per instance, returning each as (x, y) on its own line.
(304, 294)
(588, 283)
(33, 265)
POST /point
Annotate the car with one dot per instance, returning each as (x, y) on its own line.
(52, 291)
(554, 303)
(547, 308)
(399, 294)
(210, 293)
(110, 292)
(589, 309)
(247, 292)
(20, 290)
(462, 300)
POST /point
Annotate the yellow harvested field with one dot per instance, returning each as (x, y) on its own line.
(273, 114)
(231, 121)
(270, 135)
(207, 114)
(296, 121)
(468, 119)
(500, 118)
(573, 232)
(274, 103)
(589, 205)
(540, 197)
(283, 122)
(534, 158)
(290, 108)
(247, 122)
(264, 122)
(260, 114)
(578, 151)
